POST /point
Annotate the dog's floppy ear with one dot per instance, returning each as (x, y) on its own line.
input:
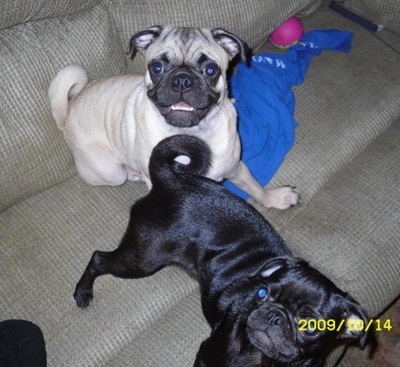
(143, 39)
(355, 321)
(232, 44)
(271, 266)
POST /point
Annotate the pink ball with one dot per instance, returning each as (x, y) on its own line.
(287, 34)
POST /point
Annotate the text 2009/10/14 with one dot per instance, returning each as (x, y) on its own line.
(311, 325)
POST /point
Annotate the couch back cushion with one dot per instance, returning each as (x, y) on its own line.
(33, 153)
(252, 20)
(16, 12)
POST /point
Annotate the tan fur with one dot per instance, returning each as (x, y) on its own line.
(111, 126)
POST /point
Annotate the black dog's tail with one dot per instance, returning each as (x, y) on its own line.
(179, 154)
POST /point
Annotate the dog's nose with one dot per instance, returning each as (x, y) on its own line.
(274, 318)
(182, 82)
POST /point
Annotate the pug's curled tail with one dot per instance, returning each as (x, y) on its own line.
(67, 84)
(179, 154)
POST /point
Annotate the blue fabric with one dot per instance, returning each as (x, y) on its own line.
(265, 102)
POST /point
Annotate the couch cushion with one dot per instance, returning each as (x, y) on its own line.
(50, 238)
(357, 215)
(173, 341)
(253, 20)
(346, 101)
(32, 150)
(13, 12)
(349, 230)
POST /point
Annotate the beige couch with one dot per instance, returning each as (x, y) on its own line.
(345, 163)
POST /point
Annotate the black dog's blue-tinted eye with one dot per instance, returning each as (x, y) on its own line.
(262, 293)
(311, 331)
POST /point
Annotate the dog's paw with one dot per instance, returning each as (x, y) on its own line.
(281, 197)
(83, 297)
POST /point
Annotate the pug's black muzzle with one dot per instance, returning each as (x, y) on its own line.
(183, 97)
(182, 82)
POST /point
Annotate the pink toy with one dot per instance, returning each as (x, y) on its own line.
(288, 33)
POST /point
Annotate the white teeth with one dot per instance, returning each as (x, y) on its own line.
(182, 107)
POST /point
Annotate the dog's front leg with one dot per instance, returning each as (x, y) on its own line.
(279, 198)
(119, 263)
(98, 265)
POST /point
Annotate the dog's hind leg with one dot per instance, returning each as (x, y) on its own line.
(100, 167)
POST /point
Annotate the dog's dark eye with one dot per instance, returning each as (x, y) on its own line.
(157, 69)
(210, 70)
(311, 331)
(262, 293)
(309, 327)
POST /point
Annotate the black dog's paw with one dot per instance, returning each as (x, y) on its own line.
(83, 297)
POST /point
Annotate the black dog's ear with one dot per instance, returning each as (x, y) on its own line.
(271, 266)
(143, 39)
(356, 321)
(232, 44)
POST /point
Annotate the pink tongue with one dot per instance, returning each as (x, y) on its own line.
(182, 105)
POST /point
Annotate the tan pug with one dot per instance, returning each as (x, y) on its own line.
(112, 125)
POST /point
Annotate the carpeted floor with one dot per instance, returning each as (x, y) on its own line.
(387, 352)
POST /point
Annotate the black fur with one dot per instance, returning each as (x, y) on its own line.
(233, 252)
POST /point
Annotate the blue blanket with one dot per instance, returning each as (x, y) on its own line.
(265, 102)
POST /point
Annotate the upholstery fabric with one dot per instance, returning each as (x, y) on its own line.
(50, 238)
(362, 110)
(344, 164)
(29, 61)
(386, 12)
(368, 240)
(184, 320)
(15, 12)
(245, 19)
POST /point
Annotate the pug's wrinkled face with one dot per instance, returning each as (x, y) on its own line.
(186, 70)
(297, 311)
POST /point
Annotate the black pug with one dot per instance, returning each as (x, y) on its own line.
(257, 298)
